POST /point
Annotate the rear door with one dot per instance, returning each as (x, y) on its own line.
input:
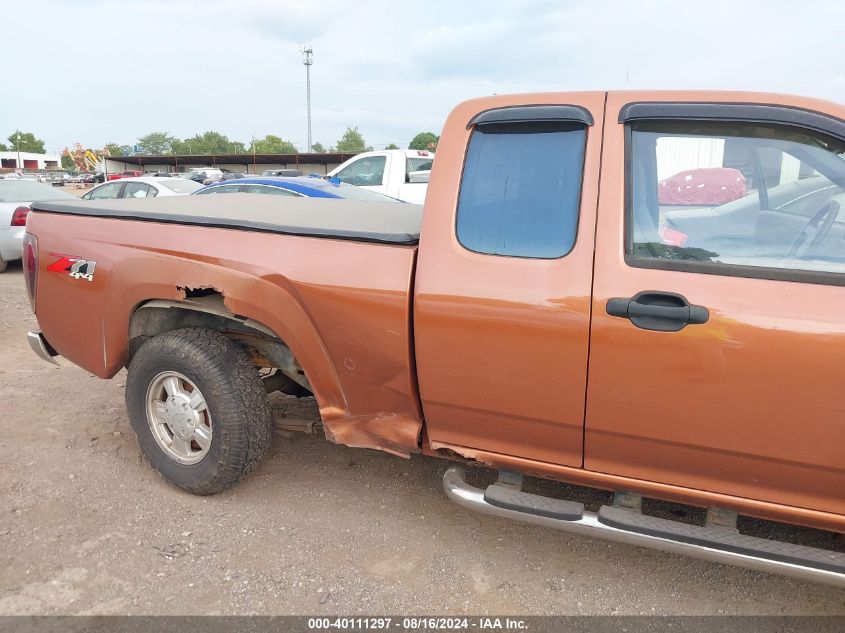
(502, 294)
(718, 330)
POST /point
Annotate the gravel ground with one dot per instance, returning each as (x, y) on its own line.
(86, 527)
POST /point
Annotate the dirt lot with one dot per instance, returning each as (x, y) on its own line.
(86, 527)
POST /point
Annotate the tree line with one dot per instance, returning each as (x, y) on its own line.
(161, 143)
(23, 141)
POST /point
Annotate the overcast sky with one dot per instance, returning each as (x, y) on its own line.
(112, 70)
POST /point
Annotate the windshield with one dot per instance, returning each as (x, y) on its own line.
(181, 185)
(28, 191)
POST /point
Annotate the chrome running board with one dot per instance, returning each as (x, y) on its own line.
(716, 544)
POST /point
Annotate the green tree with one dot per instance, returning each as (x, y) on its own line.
(3, 148)
(156, 143)
(352, 142)
(272, 144)
(392, 146)
(26, 142)
(67, 163)
(208, 143)
(318, 148)
(424, 140)
(116, 149)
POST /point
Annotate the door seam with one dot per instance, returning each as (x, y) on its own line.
(592, 288)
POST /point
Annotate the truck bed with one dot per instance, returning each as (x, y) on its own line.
(343, 306)
(356, 220)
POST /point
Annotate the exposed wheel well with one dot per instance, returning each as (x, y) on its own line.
(206, 309)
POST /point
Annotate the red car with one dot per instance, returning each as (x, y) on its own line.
(126, 174)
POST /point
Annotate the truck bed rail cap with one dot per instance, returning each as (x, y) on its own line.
(381, 222)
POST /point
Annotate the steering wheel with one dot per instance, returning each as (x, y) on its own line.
(814, 231)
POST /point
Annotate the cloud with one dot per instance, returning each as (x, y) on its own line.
(116, 70)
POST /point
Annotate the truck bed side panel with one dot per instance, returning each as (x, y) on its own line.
(341, 306)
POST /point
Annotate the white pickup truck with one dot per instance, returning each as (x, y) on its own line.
(399, 173)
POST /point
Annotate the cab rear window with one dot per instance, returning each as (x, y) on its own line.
(521, 189)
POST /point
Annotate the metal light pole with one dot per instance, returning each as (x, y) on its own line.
(18, 145)
(308, 60)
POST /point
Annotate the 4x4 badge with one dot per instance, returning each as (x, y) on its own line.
(75, 267)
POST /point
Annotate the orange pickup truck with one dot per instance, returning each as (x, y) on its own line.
(642, 292)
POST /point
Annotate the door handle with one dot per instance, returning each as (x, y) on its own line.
(659, 311)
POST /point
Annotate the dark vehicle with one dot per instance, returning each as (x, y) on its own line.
(59, 178)
(227, 175)
(288, 173)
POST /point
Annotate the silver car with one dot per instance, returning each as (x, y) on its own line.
(15, 198)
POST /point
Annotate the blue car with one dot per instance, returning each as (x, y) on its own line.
(307, 186)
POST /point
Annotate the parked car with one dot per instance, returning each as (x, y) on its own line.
(299, 186)
(90, 178)
(59, 178)
(33, 177)
(543, 314)
(399, 173)
(226, 175)
(15, 197)
(206, 173)
(144, 187)
(196, 176)
(129, 173)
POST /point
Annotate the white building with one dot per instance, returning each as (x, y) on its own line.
(29, 161)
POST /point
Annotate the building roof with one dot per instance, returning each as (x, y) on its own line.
(332, 158)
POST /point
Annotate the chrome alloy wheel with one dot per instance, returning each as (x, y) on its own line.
(178, 417)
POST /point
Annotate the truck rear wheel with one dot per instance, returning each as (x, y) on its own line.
(199, 409)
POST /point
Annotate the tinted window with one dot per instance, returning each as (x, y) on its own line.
(138, 190)
(106, 191)
(521, 189)
(738, 194)
(367, 171)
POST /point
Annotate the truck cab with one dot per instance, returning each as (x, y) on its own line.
(398, 173)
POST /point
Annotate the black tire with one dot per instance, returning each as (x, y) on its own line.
(242, 424)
